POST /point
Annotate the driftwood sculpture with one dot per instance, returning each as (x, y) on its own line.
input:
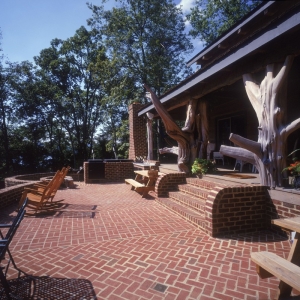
(150, 136)
(268, 100)
(188, 146)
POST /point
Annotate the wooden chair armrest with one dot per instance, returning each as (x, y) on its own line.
(39, 185)
(33, 191)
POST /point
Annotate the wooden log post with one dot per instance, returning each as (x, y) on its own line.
(150, 136)
(268, 100)
(188, 146)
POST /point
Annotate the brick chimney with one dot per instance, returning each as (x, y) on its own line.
(137, 132)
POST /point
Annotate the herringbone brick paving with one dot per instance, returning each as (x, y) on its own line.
(128, 247)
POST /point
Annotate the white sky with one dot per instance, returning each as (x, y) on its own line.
(28, 26)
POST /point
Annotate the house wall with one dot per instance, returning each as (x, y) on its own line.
(227, 103)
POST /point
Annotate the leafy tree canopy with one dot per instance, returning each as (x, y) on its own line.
(147, 38)
(210, 18)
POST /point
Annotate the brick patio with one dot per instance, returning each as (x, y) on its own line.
(109, 243)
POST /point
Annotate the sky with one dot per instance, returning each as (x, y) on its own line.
(28, 26)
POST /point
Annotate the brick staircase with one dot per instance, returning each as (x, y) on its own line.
(215, 205)
(189, 201)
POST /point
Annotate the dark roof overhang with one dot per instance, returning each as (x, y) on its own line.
(276, 24)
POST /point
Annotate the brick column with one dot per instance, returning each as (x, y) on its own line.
(137, 132)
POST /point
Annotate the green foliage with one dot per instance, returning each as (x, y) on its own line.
(73, 88)
(293, 168)
(75, 98)
(203, 166)
(148, 40)
(211, 18)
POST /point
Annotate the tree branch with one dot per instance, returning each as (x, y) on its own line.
(171, 127)
(291, 127)
(282, 74)
(238, 153)
(173, 150)
(252, 90)
(249, 145)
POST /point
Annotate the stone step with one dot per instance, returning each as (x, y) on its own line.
(188, 214)
(193, 190)
(187, 200)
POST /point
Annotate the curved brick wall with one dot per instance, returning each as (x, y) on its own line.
(12, 194)
(14, 187)
(168, 182)
(27, 178)
(227, 209)
(236, 210)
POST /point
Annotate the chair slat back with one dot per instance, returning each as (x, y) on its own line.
(59, 179)
(12, 230)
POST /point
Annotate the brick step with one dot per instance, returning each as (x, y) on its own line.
(197, 204)
(193, 190)
(190, 215)
(201, 183)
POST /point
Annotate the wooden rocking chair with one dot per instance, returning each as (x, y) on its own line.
(40, 199)
(57, 180)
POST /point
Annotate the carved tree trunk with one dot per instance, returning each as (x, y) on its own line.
(268, 100)
(188, 146)
(150, 136)
(202, 128)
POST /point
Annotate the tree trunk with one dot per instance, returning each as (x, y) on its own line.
(202, 128)
(150, 136)
(188, 146)
(268, 100)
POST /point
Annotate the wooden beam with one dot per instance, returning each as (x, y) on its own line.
(223, 46)
(242, 31)
(268, 12)
(206, 57)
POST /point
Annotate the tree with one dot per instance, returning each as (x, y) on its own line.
(32, 123)
(5, 111)
(72, 87)
(148, 39)
(211, 18)
(269, 102)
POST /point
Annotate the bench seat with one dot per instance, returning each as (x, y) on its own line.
(269, 264)
(139, 187)
(134, 183)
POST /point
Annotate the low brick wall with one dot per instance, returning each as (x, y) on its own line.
(12, 194)
(236, 210)
(168, 182)
(28, 178)
(114, 171)
(118, 170)
(14, 187)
